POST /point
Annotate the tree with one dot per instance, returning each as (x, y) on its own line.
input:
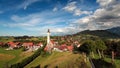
(88, 47)
(111, 48)
(100, 46)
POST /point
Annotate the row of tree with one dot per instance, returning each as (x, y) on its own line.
(90, 47)
(109, 48)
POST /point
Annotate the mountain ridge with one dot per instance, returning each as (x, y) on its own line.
(115, 30)
(99, 33)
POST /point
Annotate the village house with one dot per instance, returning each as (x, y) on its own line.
(13, 45)
(30, 46)
(63, 48)
(27, 45)
(1, 43)
(37, 46)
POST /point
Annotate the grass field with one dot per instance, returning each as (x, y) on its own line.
(59, 59)
(5, 40)
(12, 56)
(117, 62)
(108, 59)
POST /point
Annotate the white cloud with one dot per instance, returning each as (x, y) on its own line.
(64, 30)
(105, 3)
(83, 20)
(36, 21)
(78, 12)
(42, 21)
(102, 18)
(70, 7)
(24, 21)
(26, 3)
(73, 8)
(55, 9)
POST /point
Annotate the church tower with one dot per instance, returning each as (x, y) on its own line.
(48, 37)
(49, 45)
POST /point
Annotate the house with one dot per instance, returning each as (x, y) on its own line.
(63, 48)
(13, 45)
(40, 44)
(70, 48)
(1, 44)
(28, 45)
(37, 46)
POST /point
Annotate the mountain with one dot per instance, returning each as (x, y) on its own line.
(115, 30)
(99, 33)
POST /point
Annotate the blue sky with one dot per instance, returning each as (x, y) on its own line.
(34, 17)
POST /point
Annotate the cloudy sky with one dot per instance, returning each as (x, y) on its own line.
(34, 17)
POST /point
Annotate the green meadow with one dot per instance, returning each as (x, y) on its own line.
(8, 57)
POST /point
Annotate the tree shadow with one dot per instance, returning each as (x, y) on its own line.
(100, 63)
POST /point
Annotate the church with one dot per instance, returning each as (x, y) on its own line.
(50, 44)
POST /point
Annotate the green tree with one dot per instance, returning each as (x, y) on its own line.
(100, 46)
(88, 47)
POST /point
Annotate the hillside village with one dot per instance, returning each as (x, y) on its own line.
(50, 46)
(71, 44)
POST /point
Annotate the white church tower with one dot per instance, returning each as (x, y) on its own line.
(48, 37)
(49, 45)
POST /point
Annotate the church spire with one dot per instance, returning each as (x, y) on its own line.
(48, 30)
(48, 36)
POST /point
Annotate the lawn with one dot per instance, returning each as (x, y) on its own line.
(117, 62)
(60, 59)
(11, 56)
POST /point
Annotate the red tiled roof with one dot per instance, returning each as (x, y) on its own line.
(28, 44)
(1, 43)
(52, 41)
(46, 48)
(70, 48)
(12, 44)
(39, 44)
(62, 47)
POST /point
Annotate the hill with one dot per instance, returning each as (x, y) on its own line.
(99, 33)
(59, 60)
(115, 30)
